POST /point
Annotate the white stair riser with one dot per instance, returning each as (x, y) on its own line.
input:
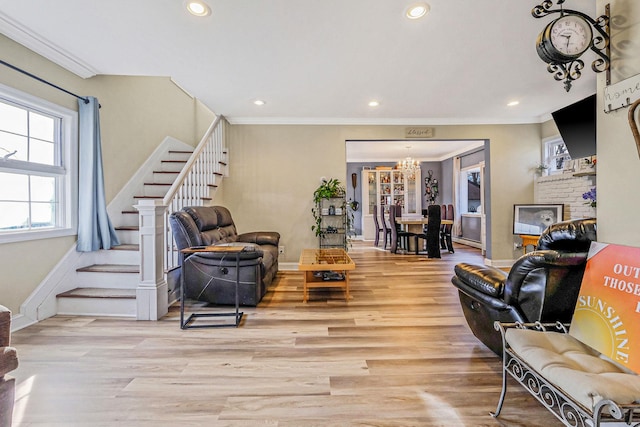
(129, 237)
(171, 166)
(126, 219)
(90, 279)
(178, 156)
(121, 307)
(164, 178)
(118, 257)
(155, 190)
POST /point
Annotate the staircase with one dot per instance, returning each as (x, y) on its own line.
(106, 284)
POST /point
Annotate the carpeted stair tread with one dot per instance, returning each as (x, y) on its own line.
(99, 293)
(110, 268)
(128, 227)
(126, 247)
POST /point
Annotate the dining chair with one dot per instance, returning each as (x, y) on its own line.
(443, 215)
(386, 230)
(376, 224)
(398, 236)
(432, 231)
(447, 229)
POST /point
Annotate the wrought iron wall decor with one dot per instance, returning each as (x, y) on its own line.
(563, 58)
(431, 188)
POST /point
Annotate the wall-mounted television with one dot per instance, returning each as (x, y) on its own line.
(577, 126)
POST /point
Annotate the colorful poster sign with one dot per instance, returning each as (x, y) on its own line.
(607, 315)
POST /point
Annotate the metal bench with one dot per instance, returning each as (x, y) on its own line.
(585, 388)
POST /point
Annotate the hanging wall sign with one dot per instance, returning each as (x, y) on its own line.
(419, 132)
(621, 94)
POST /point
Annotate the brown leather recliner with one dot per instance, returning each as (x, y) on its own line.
(542, 285)
(210, 274)
(8, 362)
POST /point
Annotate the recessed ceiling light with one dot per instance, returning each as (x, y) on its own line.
(374, 103)
(513, 103)
(259, 102)
(417, 10)
(198, 8)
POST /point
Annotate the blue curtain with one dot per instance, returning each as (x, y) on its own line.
(94, 227)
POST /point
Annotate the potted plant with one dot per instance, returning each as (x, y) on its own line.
(541, 169)
(329, 189)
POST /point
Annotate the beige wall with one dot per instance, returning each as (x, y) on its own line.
(137, 114)
(276, 168)
(549, 129)
(618, 159)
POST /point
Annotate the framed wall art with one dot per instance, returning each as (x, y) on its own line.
(532, 219)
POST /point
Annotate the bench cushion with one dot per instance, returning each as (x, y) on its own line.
(578, 370)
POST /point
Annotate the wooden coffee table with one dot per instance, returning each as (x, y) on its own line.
(316, 262)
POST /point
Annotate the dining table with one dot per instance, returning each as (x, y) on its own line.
(416, 225)
(421, 221)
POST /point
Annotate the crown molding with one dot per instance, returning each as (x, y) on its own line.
(328, 121)
(47, 49)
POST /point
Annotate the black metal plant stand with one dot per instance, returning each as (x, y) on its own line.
(190, 322)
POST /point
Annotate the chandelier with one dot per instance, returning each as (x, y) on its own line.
(409, 165)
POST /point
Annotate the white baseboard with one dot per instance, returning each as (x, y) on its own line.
(287, 266)
(467, 242)
(20, 321)
(42, 301)
(499, 263)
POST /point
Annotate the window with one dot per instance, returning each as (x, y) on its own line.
(470, 190)
(38, 172)
(555, 155)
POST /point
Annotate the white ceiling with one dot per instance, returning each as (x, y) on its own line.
(315, 61)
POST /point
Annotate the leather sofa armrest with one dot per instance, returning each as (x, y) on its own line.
(495, 303)
(5, 326)
(8, 355)
(486, 280)
(251, 251)
(260, 238)
(537, 260)
(8, 360)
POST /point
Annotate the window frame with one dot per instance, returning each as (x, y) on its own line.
(548, 158)
(67, 186)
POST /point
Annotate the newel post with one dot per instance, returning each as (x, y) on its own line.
(152, 292)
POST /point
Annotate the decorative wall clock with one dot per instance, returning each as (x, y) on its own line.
(565, 39)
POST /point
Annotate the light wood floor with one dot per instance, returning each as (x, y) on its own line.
(398, 354)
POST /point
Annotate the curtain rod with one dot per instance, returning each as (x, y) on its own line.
(13, 67)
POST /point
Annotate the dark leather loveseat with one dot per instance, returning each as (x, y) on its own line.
(211, 276)
(542, 285)
(8, 362)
